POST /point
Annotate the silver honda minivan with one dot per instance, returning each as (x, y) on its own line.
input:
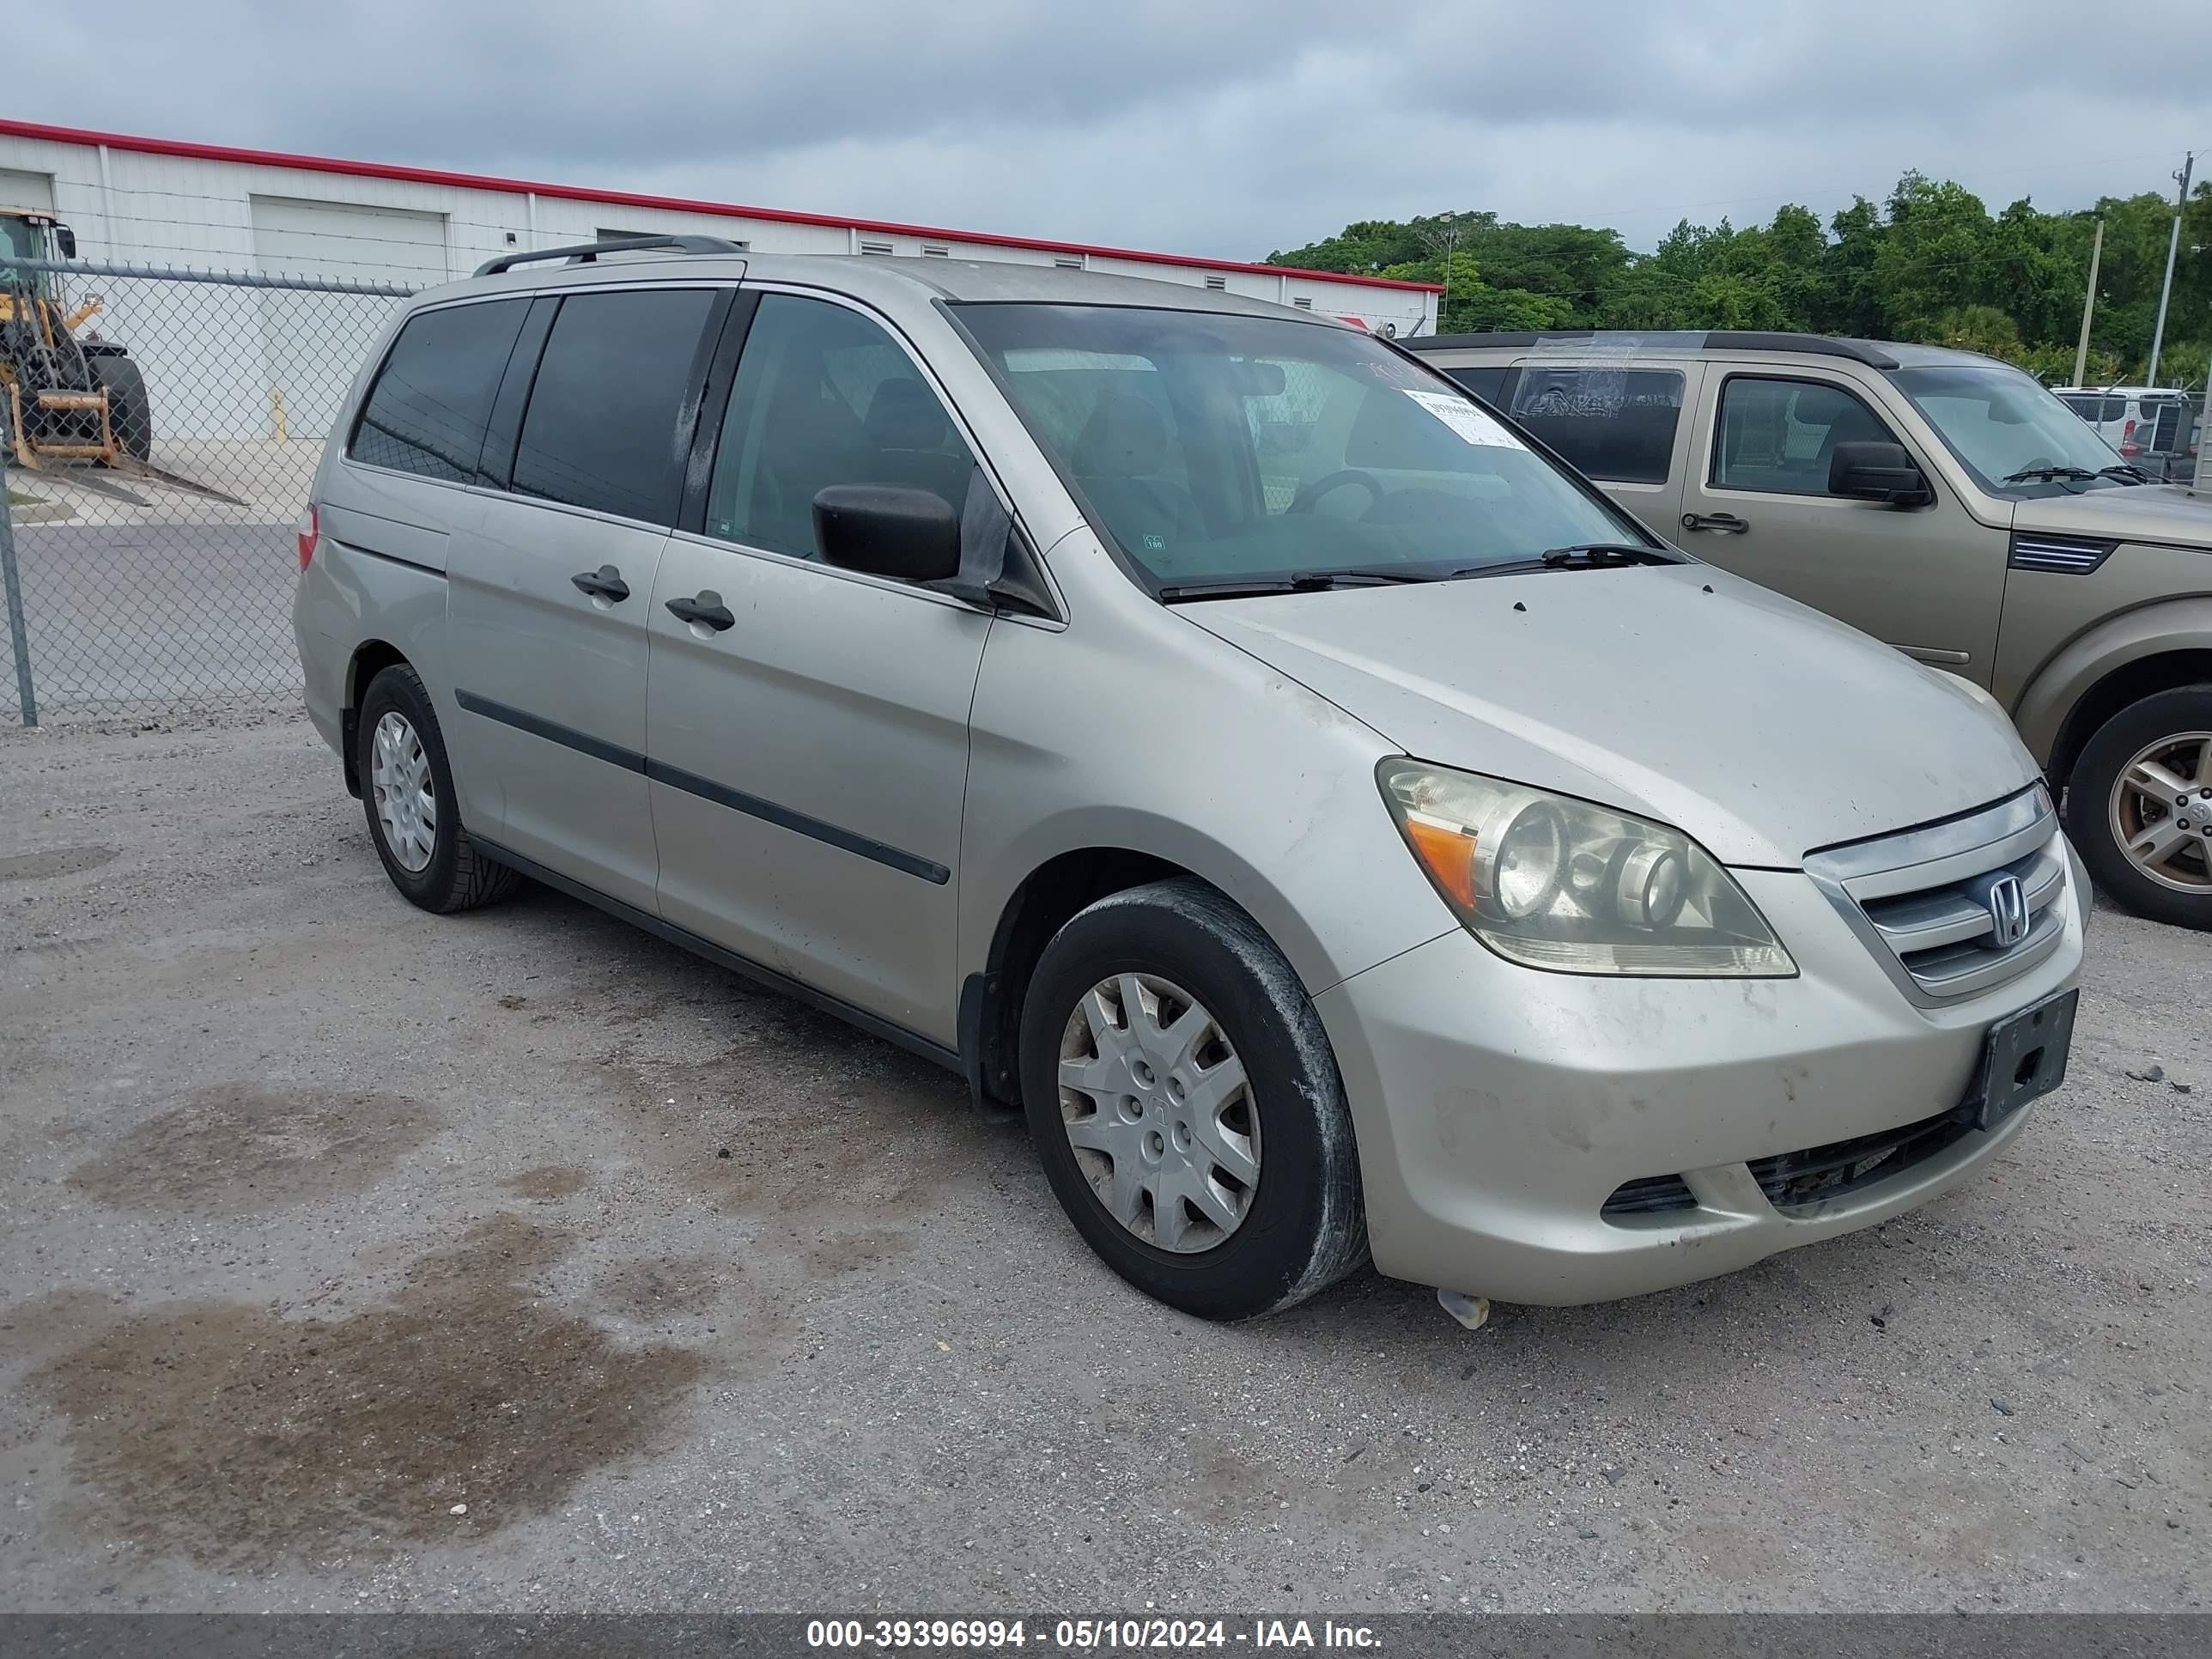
(1209, 730)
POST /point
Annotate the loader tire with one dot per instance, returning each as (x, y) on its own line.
(130, 410)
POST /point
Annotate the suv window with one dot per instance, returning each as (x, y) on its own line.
(432, 399)
(1779, 435)
(824, 396)
(600, 432)
(1487, 384)
(1613, 424)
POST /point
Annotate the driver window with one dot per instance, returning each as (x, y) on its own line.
(824, 396)
(1777, 436)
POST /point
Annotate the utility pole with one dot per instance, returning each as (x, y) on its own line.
(2089, 305)
(2173, 246)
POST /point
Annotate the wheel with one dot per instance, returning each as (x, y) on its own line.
(130, 412)
(408, 792)
(1182, 1098)
(2139, 806)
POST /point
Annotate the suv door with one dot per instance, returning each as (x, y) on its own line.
(548, 590)
(807, 726)
(1928, 580)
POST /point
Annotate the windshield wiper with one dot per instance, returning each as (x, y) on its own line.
(1301, 581)
(1584, 556)
(2125, 469)
(2049, 474)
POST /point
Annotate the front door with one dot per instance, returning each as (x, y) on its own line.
(548, 590)
(1928, 580)
(806, 727)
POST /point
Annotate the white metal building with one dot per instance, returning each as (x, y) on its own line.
(160, 202)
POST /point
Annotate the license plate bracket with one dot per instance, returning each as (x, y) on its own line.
(2024, 1056)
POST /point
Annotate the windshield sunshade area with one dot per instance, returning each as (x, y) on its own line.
(1216, 450)
(2014, 436)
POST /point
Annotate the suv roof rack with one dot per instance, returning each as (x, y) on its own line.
(585, 253)
(1719, 339)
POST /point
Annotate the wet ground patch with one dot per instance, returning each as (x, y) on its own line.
(235, 1147)
(229, 1435)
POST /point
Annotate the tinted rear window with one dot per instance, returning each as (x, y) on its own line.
(1617, 424)
(1486, 383)
(600, 432)
(428, 411)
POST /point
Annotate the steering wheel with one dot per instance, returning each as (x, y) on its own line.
(1305, 500)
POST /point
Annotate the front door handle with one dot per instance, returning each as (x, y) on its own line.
(604, 583)
(708, 610)
(1727, 523)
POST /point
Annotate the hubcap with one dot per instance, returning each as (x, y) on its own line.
(399, 782)
(2161, 811)
(1155, 1104)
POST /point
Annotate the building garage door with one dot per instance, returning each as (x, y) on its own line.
(35, 190)
(312, 344)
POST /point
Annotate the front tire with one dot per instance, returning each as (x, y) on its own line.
(130, 410)
(2139, 806)
(1184, 1103)
(407, 789)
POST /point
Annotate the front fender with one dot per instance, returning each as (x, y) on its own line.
(2057, 687)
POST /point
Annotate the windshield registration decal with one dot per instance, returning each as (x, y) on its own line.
(1463, 417)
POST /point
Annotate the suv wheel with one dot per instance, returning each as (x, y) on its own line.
(2139, 806)
(407, 789)
(1183, 1100)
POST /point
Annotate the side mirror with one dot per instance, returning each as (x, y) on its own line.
(1878, 472)
(888, 530)
(66, 239)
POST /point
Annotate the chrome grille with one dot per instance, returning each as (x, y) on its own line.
(1933, 903)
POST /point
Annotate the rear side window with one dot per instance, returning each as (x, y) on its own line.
(600, 432)
(432, 399)
(1487, 384)
(1617, 424)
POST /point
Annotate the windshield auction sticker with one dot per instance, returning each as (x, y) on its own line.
(1463, 417)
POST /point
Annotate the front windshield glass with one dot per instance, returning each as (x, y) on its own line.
(1216, 448)
(18, 240)
(2012, 434)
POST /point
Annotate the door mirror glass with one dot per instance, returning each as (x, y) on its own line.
(1877, 472)
(888, 530)
(66, 239)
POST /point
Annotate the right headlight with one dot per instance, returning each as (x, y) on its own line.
(1555, 882)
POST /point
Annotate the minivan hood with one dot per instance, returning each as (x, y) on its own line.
(1759, 727)
(2142, 513)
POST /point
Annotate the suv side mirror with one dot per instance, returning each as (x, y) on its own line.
(66, 239)
(1878, 472)
(888, 530)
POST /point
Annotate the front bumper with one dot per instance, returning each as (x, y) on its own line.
(1498, 1108)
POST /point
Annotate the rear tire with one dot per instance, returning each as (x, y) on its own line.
(130, 410)
(1296, 1223)
(2168, 727)
(413, 817)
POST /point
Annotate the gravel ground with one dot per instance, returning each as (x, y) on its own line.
(358, 1259)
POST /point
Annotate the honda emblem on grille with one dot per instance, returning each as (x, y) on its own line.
(2008, 903)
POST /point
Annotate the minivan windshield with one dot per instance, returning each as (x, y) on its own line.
(1216, 450)
(2014, 436)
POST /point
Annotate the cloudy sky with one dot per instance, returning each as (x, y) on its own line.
(1222, 127)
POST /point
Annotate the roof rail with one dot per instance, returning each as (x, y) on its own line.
(1814, 345)
(585, 253)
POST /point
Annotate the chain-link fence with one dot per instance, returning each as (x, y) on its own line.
(159, 450)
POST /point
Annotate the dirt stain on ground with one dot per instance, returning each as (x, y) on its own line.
(53, 861)
(548, 1182)
(235, 1147)
(233, 1436)
(661, 1287)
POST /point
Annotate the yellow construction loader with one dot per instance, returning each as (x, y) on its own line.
(68, 399)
